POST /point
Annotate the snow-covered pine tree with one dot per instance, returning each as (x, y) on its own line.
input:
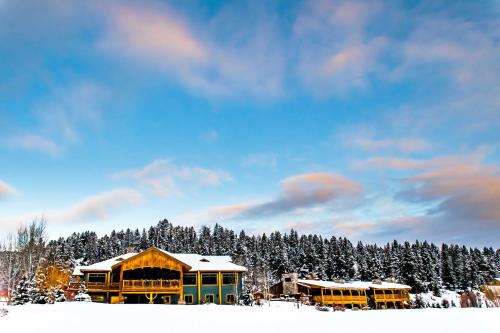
(21, 293)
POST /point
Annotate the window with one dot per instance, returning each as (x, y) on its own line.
(188, 299)
(97, 277)
(209, 279)
(288, 279)
(379, 292)
(97, 298)
(209, 298)
(189, 280)
(115, 278)
(230, 299)
(229, 278)
(336, 292)
(355, 293)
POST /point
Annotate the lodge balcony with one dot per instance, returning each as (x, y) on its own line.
(144, 285)
(340, 299)
(132, 285)
(346, 298)
(389, 297)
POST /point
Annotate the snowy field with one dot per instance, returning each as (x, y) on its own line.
(279, 317)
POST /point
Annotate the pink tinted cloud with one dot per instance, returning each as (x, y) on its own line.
(468, 193)
(408, 145)
(98, 207)
(155, 35)
(6, 190)
(34, 142)
(297, 192)
(171, 44)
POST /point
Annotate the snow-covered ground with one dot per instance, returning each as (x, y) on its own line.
(279, 317)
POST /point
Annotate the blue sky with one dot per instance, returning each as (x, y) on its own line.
(371, 120)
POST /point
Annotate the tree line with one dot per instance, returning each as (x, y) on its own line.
(424, 266)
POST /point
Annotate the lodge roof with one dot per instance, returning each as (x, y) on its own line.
(197, 263)
(353, 284)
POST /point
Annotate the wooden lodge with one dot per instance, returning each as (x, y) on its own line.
(157, 276)
(377, 294)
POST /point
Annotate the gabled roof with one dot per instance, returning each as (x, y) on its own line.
(149, 250)
(195, 263)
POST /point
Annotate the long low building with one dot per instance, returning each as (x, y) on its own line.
(359, 294)
(158, 276)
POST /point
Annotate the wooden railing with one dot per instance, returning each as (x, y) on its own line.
(344, 298)
(96, 285)
(391, 297)
(150, 284)
(340, 299)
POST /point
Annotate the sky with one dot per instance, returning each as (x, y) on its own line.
(373, 120)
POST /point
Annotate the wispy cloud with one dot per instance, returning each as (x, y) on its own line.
(34, 142)
(98, 207)
(6, 190)
(467, 194)
(158, 37)
(407, 145)
(297, 192)
(210, 136)
(460, 192)
(336, 56)
(161, 177)
(261, 160)
(94, 208)
(440, 162)
(61, 117)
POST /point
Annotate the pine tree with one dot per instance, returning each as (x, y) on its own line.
(21, 293)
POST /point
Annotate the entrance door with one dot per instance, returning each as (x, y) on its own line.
(209, 298)
(167, 299)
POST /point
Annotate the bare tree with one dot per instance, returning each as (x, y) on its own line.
(10, 269)
(31, 241)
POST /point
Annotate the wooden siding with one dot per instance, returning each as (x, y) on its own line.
(152, 258)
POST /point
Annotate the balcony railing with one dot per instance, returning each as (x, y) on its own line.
(96, 285)
(339, 298)
(150, 284)
(389, 297)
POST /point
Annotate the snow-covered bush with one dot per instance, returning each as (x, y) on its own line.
(246, 298)
(83, 298)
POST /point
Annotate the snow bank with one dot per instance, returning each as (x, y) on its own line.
(447, 299)
(278, 317)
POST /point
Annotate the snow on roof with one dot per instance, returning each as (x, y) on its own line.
(103, 266)
(354, 284)
(195, 261)
(207, 263)
(77, 271)
(331, 284)
(388, 285)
